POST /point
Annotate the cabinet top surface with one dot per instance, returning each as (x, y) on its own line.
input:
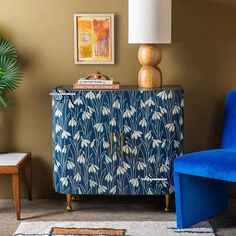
(125, 88)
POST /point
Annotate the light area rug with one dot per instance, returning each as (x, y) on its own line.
(134, 228)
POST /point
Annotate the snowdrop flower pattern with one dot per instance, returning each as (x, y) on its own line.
(70, 165)
(58, 128)
(58, 113)
(72, 122)
(136, 134)
(77, 177)
(64, 181)
(150, 102)
(176, 143)
(99, 127)
(102, 189)
(152, 159)
(134, 182)
(121, 170)
(141, 166)
(114, 156)
(163, 110)
(163, 95)
(70, 105)
(99, 95)
(142, 104)
(64, 149)
(148, 135)
(126, 165)
(87, 139)
(105, 144)
(176, 110)
(105, 110)
(92, 143)
(91, 110)
(127, 113)
(77, 136)
(170, 95)
(85, 143)
(90, 95)
(81, 159)
(108, 177)
(127, 149)
(78, 101)
(170, 127)
(92, 183)
(86, 115)
(135, 151)
(113, 190)
(108, 159)
(57, 148)
(116, 104)
(156, 143)
(113, 122)
(93, 169)
(65, 134)
(56, 165)
(143, 123)
(127, 129)
(156, 115)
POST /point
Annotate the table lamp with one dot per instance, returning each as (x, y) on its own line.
(149, 25)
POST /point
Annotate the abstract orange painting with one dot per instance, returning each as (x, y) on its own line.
(94, 38)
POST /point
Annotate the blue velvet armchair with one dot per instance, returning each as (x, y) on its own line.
(201, 178)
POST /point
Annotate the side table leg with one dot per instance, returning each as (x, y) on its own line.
(28, 175)
(16, 193)
(68, 199)
(167, 201)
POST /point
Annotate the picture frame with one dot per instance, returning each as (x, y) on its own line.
(94, 38)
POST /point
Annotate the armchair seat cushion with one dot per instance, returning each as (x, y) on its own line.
(216, 164)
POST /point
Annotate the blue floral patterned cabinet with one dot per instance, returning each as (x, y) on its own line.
(120, 142)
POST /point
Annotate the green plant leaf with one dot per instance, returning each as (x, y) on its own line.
(3, 102)
(10, 76)
(6, 49)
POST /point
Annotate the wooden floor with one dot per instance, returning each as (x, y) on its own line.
(102, 208)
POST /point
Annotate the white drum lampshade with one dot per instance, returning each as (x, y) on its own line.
(150, 24)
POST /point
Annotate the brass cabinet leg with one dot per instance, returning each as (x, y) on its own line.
(68, 199)
(167, 200)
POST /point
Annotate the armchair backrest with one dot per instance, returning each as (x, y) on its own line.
(229, 131)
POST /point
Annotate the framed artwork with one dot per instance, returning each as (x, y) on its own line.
(94, 38)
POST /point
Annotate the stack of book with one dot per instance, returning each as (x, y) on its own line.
(102, 84)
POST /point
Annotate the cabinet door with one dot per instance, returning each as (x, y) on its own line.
(151, 137)
(84, 129)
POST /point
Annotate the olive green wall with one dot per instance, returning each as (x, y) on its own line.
(202, 58)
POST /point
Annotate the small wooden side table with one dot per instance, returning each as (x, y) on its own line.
(14, 164)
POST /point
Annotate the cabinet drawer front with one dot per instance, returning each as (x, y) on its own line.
(84, 129)
(152, 127)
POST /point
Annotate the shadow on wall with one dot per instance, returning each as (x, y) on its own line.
(204, 48)
(7, 126)
(9, 115)
(42, 177)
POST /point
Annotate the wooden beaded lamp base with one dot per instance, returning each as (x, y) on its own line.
(150, 75)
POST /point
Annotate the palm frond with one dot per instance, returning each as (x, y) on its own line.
(10, 76)
(3, 102)
(6, 49)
